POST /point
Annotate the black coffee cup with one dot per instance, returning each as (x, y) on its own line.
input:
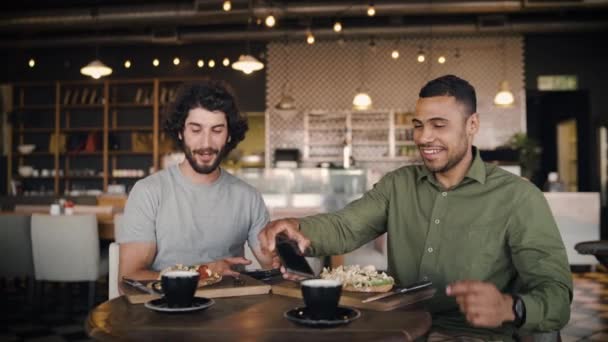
(321, 297)
(179, 288)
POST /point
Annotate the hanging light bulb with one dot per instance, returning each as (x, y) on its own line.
(441, 60)
(225, 62)
(421, 56)
(504, 97)
(371, 10)
(176, 61)
(247, 64)
(395, 54)
(211, 63)
(270, 21)
(227, 6)
(96, 69)
(362, 100)
(155, 62)
(127, 64)
(310, 38)
(31, 63)
(200, 63)
(337, 26)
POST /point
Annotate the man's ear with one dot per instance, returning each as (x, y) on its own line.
(473, 124)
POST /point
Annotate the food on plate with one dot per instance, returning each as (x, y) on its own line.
(206, 276)
(360, 279)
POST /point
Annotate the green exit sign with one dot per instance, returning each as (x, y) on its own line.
(557, 82)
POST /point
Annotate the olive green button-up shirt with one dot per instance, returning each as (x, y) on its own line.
(492, 227)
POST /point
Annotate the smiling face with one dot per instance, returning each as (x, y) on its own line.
(205, 135)
(443, 133)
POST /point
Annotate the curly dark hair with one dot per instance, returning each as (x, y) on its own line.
(212, 96)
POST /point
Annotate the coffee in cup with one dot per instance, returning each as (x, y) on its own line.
(179, 288)
(321, 297)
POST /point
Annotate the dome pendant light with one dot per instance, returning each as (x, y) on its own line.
(504, 97)
(96, 69)
(247, 64)
(362, 100)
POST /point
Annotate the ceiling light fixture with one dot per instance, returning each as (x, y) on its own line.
(227, 6)
(270, 21)
(96, 69)
(395, 53)
(362, 100)
(211, 63)
(156, 62)
(247, 64)
(504, 97)
(287, 104)
(225, 62)
(127, 64)
(200, 63)
(176, 61)
(337, 26)
(371, 10)
(31, 63)
(441, 60)
(421, 56)
(310, 38)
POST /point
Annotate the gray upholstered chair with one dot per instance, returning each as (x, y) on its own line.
(16, 247)
(66, 249)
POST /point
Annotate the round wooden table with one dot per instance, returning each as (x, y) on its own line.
(247, 318)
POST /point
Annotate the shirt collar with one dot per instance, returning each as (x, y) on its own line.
(477, 171)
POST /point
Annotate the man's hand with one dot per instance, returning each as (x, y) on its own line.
(224, 266)
(290, 228)
(482, 303)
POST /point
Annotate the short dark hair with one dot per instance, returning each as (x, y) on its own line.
(450, 85)
(212, 96)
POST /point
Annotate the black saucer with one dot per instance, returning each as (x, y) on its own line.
(301, 315)
(198, 303)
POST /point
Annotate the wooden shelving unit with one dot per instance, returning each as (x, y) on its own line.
(109, 114)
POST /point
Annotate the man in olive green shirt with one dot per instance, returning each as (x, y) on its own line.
(484, 235)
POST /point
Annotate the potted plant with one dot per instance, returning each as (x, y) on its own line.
(529, 153)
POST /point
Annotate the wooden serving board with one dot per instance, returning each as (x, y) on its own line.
(225, 288)
(353, 299)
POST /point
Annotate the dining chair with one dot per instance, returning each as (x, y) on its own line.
(114, 257)
(16, 247)
(66, 249)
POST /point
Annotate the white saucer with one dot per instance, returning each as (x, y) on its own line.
(198, 303)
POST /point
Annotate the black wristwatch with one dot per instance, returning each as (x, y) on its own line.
(519, 310)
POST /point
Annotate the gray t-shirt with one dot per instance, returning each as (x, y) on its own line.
(192, 223)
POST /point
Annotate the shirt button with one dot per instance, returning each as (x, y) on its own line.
(444, 194)
(437, 221)
(430, 249)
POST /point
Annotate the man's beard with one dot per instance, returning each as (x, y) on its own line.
(204, 169)
(451, 162)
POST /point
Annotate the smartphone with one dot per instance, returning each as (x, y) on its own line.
(291, 258)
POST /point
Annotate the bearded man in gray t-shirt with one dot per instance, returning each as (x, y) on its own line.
(194, 212)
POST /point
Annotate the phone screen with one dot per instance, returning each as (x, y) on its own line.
(291, 257)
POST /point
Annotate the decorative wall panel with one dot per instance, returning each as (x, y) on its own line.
(326, 75)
